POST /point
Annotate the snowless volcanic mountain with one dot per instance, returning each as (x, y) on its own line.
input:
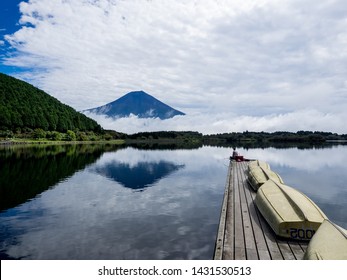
(138, 103)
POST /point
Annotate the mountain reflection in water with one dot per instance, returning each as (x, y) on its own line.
(137, 177)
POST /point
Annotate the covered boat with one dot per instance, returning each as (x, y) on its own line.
(257, 163)
(259, 174)
(328, 243)
(290, 213)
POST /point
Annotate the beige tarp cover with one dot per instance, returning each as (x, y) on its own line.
(258, 175)
(289, 212)
(328, 243)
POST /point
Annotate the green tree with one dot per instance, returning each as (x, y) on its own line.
(70, 135)
(56, 136)
(39, 133)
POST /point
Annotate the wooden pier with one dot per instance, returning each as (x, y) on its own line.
(243, 233)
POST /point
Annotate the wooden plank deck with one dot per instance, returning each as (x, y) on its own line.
(243, 233)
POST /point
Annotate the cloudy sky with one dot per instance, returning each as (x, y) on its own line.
(236, 65)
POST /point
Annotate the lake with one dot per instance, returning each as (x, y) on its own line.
(108, 202)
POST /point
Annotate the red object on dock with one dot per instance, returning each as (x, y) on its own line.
(239, 158)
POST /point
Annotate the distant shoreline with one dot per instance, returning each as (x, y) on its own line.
(186, 139)
(337, 141)
(45, 142)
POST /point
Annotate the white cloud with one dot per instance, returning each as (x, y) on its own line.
(229, 122)
(265, 61)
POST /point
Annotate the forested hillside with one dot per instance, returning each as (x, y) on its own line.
(23, 106)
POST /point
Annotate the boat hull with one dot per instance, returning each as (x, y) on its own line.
(329, 243)
(257, 163)
(259, 173)
(290, 213)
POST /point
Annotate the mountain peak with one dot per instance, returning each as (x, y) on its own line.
(138, 103)
(138, 93)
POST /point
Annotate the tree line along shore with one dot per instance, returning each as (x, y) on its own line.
(192, 138)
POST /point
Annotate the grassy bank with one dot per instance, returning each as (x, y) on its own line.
(21, 141)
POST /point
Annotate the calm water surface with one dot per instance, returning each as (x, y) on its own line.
(94, 202)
